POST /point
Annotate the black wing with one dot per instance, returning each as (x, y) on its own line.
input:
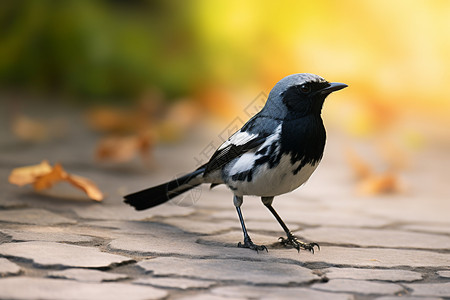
(238, 144)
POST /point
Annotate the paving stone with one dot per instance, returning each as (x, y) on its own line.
(49, 234)
(372, 274)
(368, 257)
(378, 238)
(59, 289)
(444, 274)
(160, 244)
(232, 238)
(175, 283)
(91, 231)
(406, 298)
(196, 226)
(266, 293)
(358, 286)
(61, 254)
(172, 242)
(86, 275)
(412, 208)
(33, 216)
(215, 226)
(8, 268)
(312, 218)
(252, 272)
(125, 212)
(430, 289)
(208, 296)
(433, 228)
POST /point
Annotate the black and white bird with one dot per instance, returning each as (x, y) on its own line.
(274, 153)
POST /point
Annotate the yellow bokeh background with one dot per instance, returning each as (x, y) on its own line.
(394, 55)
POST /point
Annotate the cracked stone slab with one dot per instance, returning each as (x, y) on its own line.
(368, 257)
(266, 293)
(61, 254)
(86, 275)
(124, 212)
(252, 272)
(372, 274)
(432, 228)
(33, 216)
(160, 241)
(8, 268)
(165, 240)
(175, 283)
(208, 296)
(231, 239)
(60, 289)
(213, 227)
(376, 238)
(314, 218)
(430, 289)
(196, 226)
(184, 244)
(444, 274)
(48, 234)
(406, 298)
(359, 286)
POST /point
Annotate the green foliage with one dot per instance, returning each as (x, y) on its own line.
(96, 49)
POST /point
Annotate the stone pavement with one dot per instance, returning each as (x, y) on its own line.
(58, 245)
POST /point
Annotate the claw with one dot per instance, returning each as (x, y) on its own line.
(250, 245)
(292, 241)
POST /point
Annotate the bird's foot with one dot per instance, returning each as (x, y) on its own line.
(292, 241)
(249, 244)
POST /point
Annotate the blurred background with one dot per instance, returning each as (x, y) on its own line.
(144, 73)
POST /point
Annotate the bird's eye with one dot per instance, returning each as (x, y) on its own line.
(305, 88)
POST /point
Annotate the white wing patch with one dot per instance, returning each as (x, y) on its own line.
(239, 138)
(247, 160)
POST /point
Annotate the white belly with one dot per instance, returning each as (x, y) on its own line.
(268, 182)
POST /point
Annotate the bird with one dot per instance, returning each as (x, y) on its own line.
(274, 153)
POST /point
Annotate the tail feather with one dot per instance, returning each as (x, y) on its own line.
(164, 192)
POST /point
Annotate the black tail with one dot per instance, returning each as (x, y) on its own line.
(164, 192)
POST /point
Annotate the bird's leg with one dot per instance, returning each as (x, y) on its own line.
(247, 240)
(291, 239)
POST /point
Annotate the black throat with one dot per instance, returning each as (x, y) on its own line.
(303, 138)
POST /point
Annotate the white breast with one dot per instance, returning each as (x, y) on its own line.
(279, 180)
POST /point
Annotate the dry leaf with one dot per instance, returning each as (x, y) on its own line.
(46, 181)
(117, 149)
(33, 130)
(121, 149)
(387, 183)
(43, 176)
(26, 175)
(371, 183)
(394, 156)
(120, 120)
(180, 116)
(110, 119)
(30, 130)
(87, 186)
(360, 168)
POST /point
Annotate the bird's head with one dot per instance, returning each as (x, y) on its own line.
(299, 95)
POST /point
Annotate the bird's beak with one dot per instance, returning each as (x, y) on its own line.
(332, 87)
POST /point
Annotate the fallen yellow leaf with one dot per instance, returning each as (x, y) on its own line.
(26, 175)
(87, 186)
(29, 130)
(124, 148)
(43, 176)
(360, 168)
(46, 181)
(380, 184)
